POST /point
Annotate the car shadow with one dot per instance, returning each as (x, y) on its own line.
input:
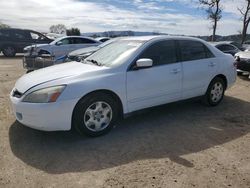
(17, 56)
(168, 131)
(244, 77)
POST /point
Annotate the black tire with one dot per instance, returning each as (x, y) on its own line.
(28, 71)
(209, 98)
(9, 51)
(78, 119)
(239, 73)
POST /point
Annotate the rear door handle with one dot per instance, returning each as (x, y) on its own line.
(211, 64)
(175, 71)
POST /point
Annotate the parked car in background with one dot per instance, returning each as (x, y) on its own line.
(13, 41)
(237, 44)
(243, 62)
(226, 47)
(54, 36)
(102, 39)
(80, 54)
(44, 55)
(128, 75)
(246, 45)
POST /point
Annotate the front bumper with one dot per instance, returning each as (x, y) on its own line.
(34, 62)
(44, 116)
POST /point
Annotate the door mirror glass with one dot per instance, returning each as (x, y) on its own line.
(59, 43)
(144, 63)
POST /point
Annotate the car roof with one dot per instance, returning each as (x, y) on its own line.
(221, 42)
(17, 29)
(158, 37)
(100, 38)
(74, 36)
(216, 44)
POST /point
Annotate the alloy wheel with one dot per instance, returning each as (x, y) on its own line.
(98, 116)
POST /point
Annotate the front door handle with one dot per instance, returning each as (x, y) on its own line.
(175, 71)
(211, 64)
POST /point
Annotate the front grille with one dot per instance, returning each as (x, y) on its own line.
(16, 93)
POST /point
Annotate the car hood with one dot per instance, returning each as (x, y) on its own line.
(53, 73)
(245, 54)
(84, 51)
(34, 46)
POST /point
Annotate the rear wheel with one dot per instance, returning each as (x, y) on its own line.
(215, 92)
(95, 114)
(9, 51)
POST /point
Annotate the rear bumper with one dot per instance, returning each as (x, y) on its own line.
(243, 66)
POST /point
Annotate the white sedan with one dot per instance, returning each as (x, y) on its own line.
(128, 75)
(60, 47)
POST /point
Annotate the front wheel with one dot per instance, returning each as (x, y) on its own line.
(28, 71)
(215, 92)
(95, 115)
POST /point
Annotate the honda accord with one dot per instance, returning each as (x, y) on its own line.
(128, 75)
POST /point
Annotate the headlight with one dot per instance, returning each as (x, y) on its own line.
(46, 95)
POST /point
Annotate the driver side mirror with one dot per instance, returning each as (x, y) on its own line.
(59, 43)
(143, 63)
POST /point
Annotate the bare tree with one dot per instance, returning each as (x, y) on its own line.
(245, 12)
(4, 25)
(59, 29)
(214, 12)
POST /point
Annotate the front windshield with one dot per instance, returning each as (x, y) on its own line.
(113, 53)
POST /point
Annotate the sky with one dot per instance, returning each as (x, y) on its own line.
(167, 16)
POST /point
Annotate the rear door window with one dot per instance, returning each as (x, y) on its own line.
(193, 50)
(4, 33)
(19, 35)
(226, 47)
(83, 41)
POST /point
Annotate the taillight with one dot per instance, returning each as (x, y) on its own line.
(237, 58)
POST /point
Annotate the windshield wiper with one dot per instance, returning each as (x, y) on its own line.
(94, 62)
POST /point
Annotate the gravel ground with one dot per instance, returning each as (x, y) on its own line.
(183, 144)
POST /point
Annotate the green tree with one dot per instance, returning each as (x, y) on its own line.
(2, 25)
(73, 31)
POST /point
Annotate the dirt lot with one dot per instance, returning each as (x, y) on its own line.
(184, 144)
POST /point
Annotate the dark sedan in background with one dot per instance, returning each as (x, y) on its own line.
(243, 62)
(13, 41)
(226, 47)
